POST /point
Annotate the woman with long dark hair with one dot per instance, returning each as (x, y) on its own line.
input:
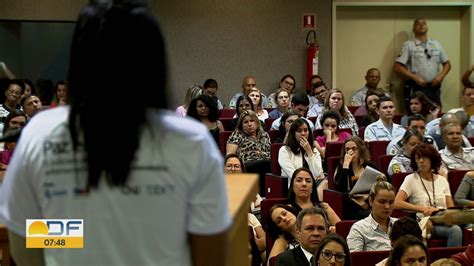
(133, 173)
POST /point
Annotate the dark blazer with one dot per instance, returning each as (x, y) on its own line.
(292, 257)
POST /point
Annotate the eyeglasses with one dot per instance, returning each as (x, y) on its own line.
(327, 255)
(233, 166)
(331, 126)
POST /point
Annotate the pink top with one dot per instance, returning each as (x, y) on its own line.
(5, 156)
(181, 111)
(361, 111)
(342, 136)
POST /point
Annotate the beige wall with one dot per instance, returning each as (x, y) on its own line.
(371, 36)
(225, 40)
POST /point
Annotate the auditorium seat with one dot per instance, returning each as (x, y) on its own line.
(275, 186)
(223, 137)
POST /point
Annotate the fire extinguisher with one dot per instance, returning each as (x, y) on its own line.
(312, 58)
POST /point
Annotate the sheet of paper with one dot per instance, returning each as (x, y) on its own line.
(365, 181)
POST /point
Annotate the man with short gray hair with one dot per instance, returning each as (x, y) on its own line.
(454, 156)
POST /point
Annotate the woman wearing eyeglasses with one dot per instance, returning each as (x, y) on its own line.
(333, 250)
(285, 123)
(282, 99)
(330, 120)
(427, 192)
(288, 84)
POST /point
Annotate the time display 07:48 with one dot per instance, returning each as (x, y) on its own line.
(54, 242)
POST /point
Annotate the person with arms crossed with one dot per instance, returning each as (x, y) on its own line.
(180, 207)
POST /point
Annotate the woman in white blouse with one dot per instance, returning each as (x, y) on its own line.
(426, 192)
(300, 151)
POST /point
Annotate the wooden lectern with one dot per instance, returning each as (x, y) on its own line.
(241, 190)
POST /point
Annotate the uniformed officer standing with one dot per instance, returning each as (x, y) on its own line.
(419, 61)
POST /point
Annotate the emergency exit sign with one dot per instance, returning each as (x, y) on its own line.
(309, 21)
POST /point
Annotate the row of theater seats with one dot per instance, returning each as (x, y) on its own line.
(277, 189)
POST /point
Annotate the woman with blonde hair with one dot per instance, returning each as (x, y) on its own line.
(191, 93)
(334, 101)
(251, 143)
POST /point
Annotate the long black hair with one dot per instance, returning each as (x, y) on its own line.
(113, 46)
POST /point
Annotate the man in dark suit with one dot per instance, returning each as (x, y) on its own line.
(311, 227)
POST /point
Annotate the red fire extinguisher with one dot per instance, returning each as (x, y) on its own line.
(312, 58)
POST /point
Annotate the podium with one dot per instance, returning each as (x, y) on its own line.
(241, 190)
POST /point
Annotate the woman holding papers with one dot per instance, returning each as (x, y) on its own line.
(426, 192)
(354, 160)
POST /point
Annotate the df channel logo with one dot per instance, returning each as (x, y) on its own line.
(54, 233)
